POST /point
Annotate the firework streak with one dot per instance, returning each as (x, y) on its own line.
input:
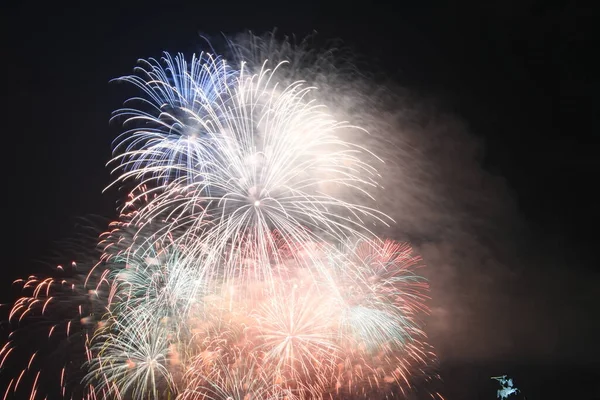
(241, 266)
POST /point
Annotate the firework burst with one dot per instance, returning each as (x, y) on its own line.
(244, 264)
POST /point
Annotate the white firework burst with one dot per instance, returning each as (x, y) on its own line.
(131, 359)
(270, 158)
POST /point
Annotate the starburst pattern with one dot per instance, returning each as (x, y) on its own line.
(243, 264)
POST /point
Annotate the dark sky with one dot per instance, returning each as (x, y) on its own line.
(521, 75)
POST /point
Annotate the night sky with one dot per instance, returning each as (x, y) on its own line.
(520, 77)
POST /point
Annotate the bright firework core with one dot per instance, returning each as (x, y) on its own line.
(196, 294)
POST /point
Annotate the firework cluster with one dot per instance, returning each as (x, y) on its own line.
(242, 266)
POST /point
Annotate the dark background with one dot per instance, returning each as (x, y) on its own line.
(521, 74)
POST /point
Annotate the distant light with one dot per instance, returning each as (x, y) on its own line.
(257, 203)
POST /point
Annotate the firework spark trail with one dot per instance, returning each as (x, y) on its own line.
(53, 323)
(268, 158)
(243, 264)
(170, 138)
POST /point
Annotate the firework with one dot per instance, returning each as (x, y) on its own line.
(52, 324)
(244, 263)
(263, 157)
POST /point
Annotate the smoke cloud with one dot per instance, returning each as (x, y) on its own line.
(499, 290)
